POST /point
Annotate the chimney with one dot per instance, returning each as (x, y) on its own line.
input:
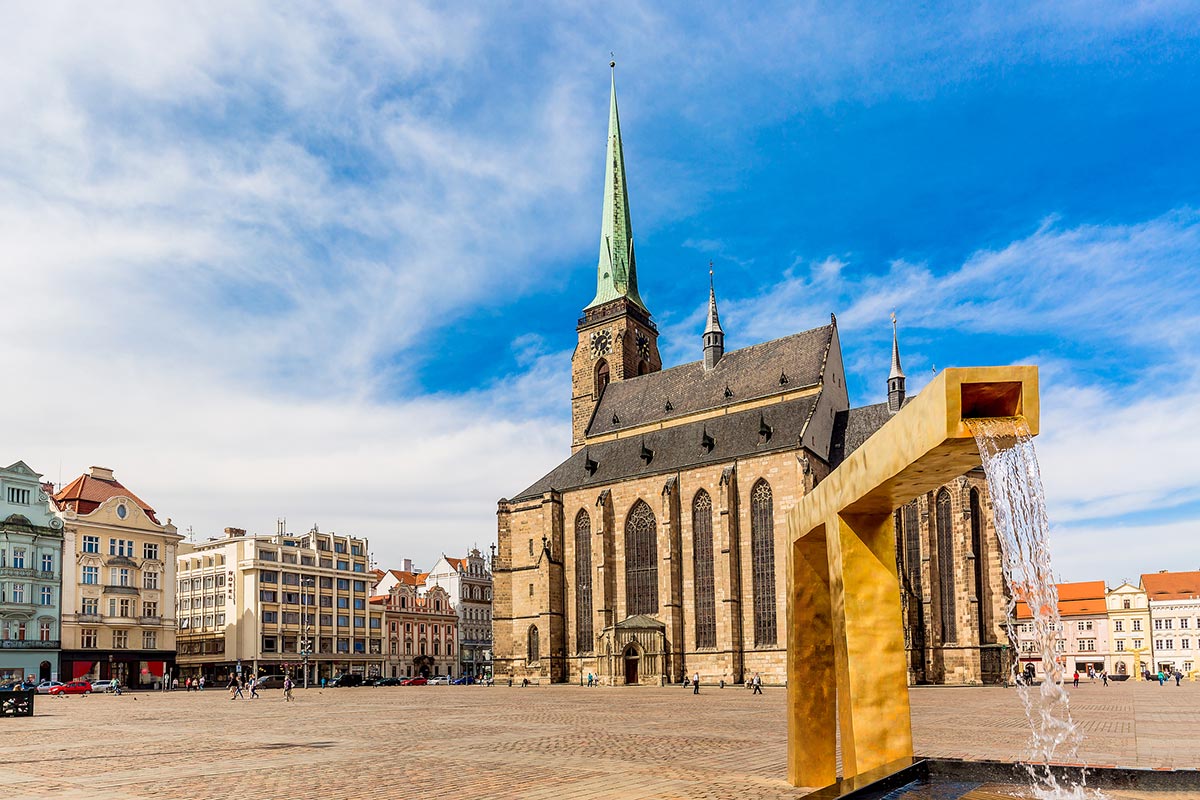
(233, 533)
(101, 473)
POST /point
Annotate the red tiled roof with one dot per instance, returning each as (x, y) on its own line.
(1074, 599)
(1172, 585)
(411, 578)
(379, 598)
(457, 563)
(85, 494)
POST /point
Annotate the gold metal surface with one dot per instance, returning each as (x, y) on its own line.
(846, 657)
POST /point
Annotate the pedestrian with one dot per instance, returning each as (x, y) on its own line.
(287, 689)
(1161, 678)
(1178, 675)
(174, 684)
(696, 683)
(1076, 681)
(235, 688)
(202, 683)
(1104, 677)
(254, 688)
(322, 683)
(757, 684)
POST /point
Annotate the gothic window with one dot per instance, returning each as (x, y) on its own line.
(602, 376)
(980, 561)
(583, 582)
(702, 559)
(641, 561)
(762, 557)
(912, 547)
(945, 553)
(532, 656)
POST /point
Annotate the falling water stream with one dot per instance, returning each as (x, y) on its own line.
(1019, 511)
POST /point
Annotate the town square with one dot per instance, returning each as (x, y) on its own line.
(553, 400)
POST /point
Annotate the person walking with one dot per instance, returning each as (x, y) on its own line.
(1104, 677)
(253, 688)
(1178, 676)
(1076, 681)
(287, 689)
(696, 683)
(235, 688)
(202, 683)
(757, 684)
(1161, 678)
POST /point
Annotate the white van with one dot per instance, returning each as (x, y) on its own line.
(104, 686)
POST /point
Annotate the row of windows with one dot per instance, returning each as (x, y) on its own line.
(119, 576)
(476, 593)
(207, 582)
(89, 639)
(1168, 624)
(641, 569)
(291, 644)
(199, 621)
(119, 607)
(120, 547)
(326, 563)
(21, 593)
(1137, 645)
(18, 496)
(20, 631)
(434, 629)
(324, 582)
(1169, 644)
(22, 560)
(1119, 625)
(408, 648)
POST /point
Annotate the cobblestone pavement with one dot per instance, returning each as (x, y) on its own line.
(560, 742)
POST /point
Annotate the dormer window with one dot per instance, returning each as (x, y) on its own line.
(764, 431)
(647, 455)
(728, 393)
(707, 443)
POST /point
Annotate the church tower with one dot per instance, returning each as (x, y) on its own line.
(616, 337)
(895, 381)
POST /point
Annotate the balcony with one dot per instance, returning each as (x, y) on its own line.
(150, 620)
(110, 588)
(19, 572)
(24, 644)
(87, 618)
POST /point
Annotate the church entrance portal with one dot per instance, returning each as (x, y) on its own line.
(423, 666)
(632, 659)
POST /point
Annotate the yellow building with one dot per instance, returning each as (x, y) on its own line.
(118, 594)
(1129, 627)
(272, 604)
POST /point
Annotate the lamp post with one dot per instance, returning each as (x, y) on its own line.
(305, 641)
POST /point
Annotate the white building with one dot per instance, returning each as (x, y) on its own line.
(1174, 619)
(469, 584)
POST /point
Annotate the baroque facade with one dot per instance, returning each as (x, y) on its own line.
(31, 542)
(422, 631)
(658, 548)
(468, 582)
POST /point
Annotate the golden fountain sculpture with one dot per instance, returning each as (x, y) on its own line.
(846, 663)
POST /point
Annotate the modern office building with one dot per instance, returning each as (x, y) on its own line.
(31, 542)
(118, 596)
(278, 604)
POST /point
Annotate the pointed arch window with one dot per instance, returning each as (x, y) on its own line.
(912, 547)
(702, 562)
(602, 376)
(583, 582)
(762, 559)
(980, 562)
(532, 657)
(641, 560)
(945, 548)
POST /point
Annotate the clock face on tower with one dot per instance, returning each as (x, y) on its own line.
(601, 342)
(643, 345)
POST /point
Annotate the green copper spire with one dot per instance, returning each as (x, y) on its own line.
(616, 273)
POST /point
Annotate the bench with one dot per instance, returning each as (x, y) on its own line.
(17, 703)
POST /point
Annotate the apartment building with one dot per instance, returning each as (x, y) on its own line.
(283, 603)
(1174, 601)
(1129, 623)
(422, 631)
(468, 582)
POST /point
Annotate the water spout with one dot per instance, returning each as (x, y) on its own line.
(1022, 525)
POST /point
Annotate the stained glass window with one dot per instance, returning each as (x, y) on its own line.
(641, 561)
(702, 559)
(980, 561)
(762, 557)
(945, 540)
(533, 656)
(583, 582)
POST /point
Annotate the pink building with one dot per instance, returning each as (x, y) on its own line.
(1084, 633)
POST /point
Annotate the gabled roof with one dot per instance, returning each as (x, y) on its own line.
(641, 621)
(85, 494)
(752, 373)
(457, 563)
(410, 578)
(1172, 585)
(710, 441)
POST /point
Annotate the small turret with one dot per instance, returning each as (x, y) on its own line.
(896, 376)
(714, 337)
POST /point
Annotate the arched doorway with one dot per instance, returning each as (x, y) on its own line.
(632, 661)
(44, 671)
(423, 666)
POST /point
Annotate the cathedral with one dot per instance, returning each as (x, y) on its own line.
(658, 548)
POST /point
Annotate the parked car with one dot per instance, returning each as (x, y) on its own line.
(270, 682)
(104, 686)
(388, 682)
(440, 680)
(347, 679)
(45, 686)
(418, 681)
(74, 687)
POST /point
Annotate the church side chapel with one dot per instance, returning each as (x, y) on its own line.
(658, 549)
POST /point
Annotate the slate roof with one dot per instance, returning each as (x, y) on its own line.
(640, 621)
(1172, 585)
(85, 494)
(749, 374)
(733, 436)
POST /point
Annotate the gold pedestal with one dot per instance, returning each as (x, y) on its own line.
(845, 633)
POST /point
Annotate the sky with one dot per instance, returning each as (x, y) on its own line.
(323, 262)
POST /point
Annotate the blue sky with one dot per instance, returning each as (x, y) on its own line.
(325, 263)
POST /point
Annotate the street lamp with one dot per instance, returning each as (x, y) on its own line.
(305, 641)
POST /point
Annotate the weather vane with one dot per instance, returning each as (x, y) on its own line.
(613, 62)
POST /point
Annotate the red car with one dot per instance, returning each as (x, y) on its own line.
(414, 682)
(74, 687)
